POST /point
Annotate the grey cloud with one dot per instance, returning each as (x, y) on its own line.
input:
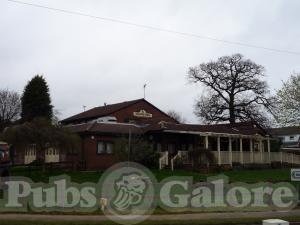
(89, 62)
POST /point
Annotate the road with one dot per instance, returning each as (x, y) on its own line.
(169, 217)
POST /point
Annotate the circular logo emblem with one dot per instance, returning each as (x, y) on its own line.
(128, 191)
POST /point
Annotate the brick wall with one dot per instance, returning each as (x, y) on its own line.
(93, 160)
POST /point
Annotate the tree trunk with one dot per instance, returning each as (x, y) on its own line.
(40, 156)
(231, 110)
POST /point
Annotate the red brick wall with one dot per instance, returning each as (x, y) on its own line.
(93, 160)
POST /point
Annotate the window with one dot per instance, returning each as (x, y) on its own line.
(101, 148)
(104, 147)
(292, 137)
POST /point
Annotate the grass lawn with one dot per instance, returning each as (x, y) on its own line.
(249, 176)
(242, 175)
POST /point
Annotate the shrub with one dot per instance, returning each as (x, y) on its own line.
(141, 151)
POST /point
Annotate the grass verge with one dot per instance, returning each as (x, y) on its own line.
(244, 221)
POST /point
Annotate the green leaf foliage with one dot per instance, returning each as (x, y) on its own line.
(36, 101)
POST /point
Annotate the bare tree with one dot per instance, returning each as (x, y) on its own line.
(235, 90)
(177, 116)
(10, 106)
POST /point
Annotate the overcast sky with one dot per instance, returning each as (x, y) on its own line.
(88, 62)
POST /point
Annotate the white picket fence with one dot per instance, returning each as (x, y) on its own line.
(227, 158)
(256, 157)
(51, 155)
(30, 155)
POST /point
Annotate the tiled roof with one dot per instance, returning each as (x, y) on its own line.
(291, 144)
(285, 131)
(245, 128)
(100, 111)
(112, 128)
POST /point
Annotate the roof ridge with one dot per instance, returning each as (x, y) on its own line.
(117, 103)
(126, 104)
(273, 128)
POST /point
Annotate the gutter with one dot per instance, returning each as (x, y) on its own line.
(213, 134)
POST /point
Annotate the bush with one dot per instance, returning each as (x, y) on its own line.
(141, 151)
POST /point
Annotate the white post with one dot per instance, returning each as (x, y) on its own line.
(205, 146)
(230, 151)
(167, 160)
(269, 149)
(159, 162)
(219, 150)
(206, 142)
(241, 151)
(261, 150)
(251, 150)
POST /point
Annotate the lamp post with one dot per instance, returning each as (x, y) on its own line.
(129, 145)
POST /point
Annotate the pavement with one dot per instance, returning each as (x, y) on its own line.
(164, 217)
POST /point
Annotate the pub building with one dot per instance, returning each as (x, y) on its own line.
(243, 143)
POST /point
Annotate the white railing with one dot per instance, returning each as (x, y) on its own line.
(182, 155)
(227, 158)
(276, 156)
(247, 157)
(297, 159)
(256, 157)
(236, 156)
(163, 160)
(267, 157)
